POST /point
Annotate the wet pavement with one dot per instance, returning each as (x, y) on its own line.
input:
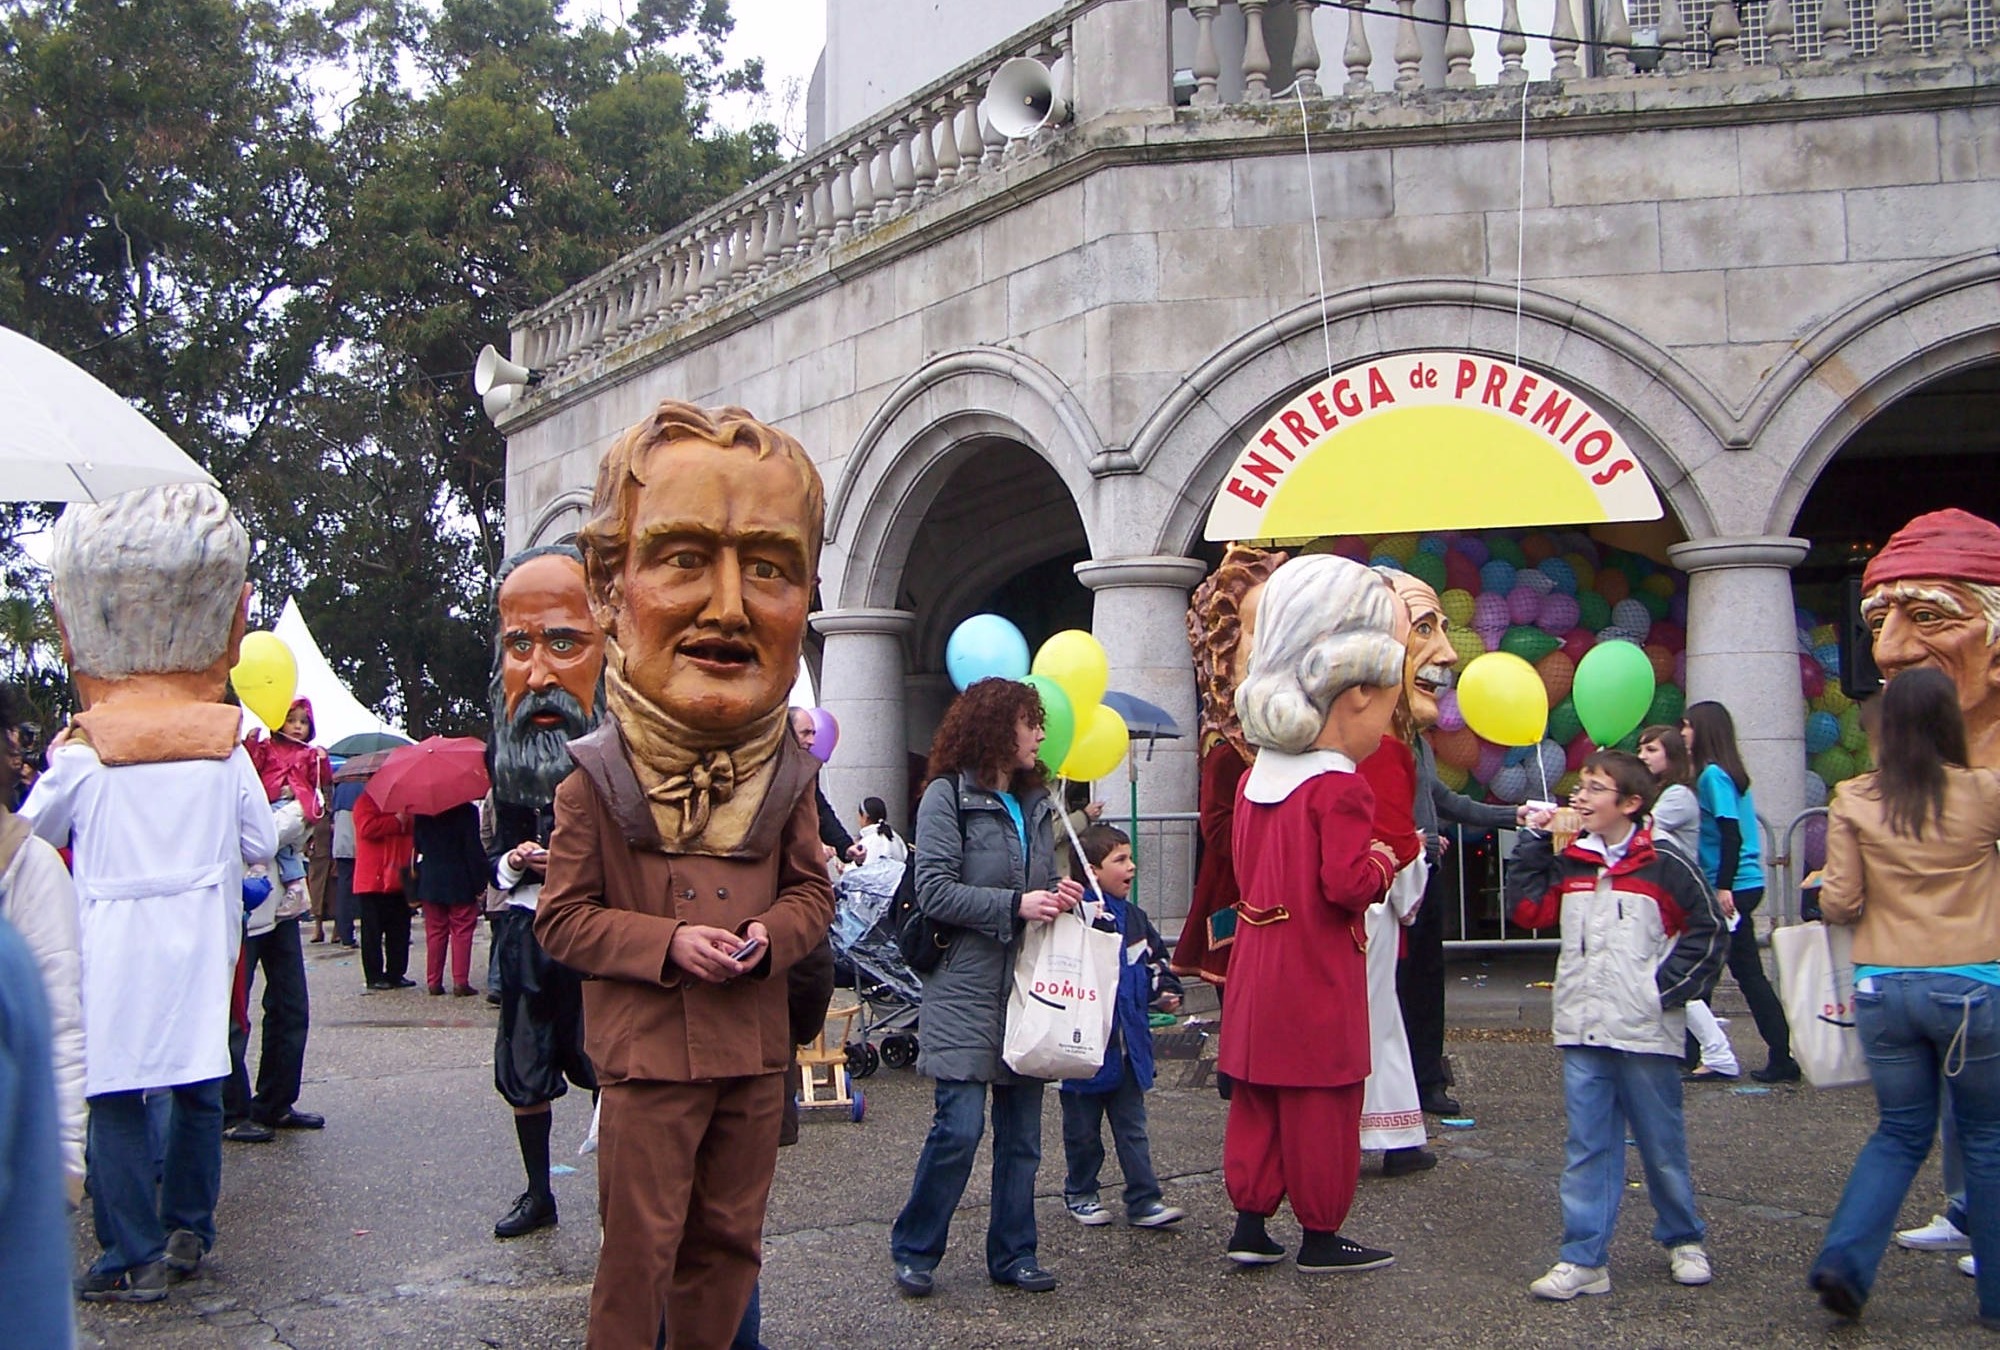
(377, 1231)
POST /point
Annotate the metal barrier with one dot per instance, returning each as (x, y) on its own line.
(1781, 866)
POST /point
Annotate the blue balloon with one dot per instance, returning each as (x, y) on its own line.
(985, 647)
(1560, 572)
(1828, 656)
(1434, 544)
(1497, 575)
(1822, 732)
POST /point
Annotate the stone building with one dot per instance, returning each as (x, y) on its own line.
(1763, 245)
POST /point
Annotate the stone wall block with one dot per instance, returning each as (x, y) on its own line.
(1968, 144)
(890, 352)
(1829, 153)
(1203, 264)
(1347, 185)
(1123, 267)
(951, 265)
(971, 317)
(1037, 229)
(1783, 303)
(1649, 166)
(1923, 222)
(826, 375)
(1681, 308)
(1575, 241)
(1357, 253)
(1753, 232)
(1146, 197)
(1442, 180)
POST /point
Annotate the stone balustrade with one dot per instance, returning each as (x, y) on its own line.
(928, 155)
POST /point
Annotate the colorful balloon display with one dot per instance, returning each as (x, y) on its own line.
(985, 647)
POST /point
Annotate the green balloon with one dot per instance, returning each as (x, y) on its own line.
(1852, 738)
(1668, 705)
(1613, 690)
(1593, 611)
(1836, 765)
(1656, 605)
(1529, 643)
(1507, 550)
(1058, 721)
(1564, 723)
(1428, 568)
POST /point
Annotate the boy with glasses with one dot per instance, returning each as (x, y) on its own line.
(1641, 935)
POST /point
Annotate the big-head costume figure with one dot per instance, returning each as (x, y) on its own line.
(1324, 681)
(685, 873)
(1222, 616)
(164, 811)
(547, 690)
(1931, 597)
(1429, 660)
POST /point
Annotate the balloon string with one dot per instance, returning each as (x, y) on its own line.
(1062, 814)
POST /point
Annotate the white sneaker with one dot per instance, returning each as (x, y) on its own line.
(1939, 1235)
(1566, 1280)
(1690, 1264)
(1089, 1213)
(1967, 1266)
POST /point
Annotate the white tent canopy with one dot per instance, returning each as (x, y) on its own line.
(337, 714)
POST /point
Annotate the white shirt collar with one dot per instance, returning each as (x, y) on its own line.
(1276, 775)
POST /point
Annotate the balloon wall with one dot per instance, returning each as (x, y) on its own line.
(1836, 747)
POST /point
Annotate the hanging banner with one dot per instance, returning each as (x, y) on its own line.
(1429, 441)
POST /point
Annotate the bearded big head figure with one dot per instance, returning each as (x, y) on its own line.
(1931, 597)
(548, 672)
(1428, 656)
(1222, 622)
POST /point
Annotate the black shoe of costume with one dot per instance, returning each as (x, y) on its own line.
(401, 982)
(1401, 1162)
(295, 1119)
(535, 1209)
(1437, 1102)
(377, 986)
(140, 1284)
(184, 1253)
(1836, 1295)
(1332, 1254)
(1030, 1278)
(250, 1132)
(913, 1282)
(1778, 1071)
(1251, 1245)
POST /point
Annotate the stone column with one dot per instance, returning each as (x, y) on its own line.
(1140, 615)
(1743, 652)
(861, 684)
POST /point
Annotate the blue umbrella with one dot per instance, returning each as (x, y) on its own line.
(1145, 721)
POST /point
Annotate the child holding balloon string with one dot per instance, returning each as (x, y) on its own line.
(291, 768)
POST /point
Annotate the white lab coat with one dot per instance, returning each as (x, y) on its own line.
(158, 853)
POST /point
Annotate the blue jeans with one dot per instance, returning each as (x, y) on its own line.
(1083, 1116)
(139, 1196)
(750, 1332)
(1604, 1091)
(945, 1166)
(1915, 1027)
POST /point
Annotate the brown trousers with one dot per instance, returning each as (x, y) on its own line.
(683, 1174)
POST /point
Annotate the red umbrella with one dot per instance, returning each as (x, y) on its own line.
(432, 776)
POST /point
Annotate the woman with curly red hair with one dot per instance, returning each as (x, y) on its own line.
(985, 860)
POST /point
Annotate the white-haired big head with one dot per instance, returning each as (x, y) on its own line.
(149, 582)
(1326, 625)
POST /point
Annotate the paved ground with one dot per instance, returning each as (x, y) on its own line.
(376, 1232)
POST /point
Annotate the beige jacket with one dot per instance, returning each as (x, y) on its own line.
(1933, 901)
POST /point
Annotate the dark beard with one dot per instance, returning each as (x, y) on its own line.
(530, 761)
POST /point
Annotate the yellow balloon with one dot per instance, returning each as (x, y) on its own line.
(1099, 747)
(1076, 661)
(265, 677)
(1504, 699)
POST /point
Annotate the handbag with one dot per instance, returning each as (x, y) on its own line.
(1063, 999)
(921, 940)
(1816, 985)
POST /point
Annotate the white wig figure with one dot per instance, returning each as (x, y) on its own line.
(149, 582)
(1326, 624)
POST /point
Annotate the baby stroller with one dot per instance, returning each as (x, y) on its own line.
(865, 953)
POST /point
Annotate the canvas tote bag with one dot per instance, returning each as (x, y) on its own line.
(1816, 981)
(1065, 991)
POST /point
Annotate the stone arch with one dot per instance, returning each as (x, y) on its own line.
(1863, 359)
(904, 456)
(1669, 418)
(562, 517)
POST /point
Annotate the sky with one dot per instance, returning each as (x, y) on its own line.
(787, 34)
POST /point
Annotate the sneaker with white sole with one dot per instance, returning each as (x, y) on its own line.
(1967, 1266)
(1566, 1280)
(1939, 1235)
(1156, 1215)
(1689, 1264)
(1088, 1213)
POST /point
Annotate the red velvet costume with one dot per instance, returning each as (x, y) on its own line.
(1392, 775)
(1296, 1004)
(1222, 770)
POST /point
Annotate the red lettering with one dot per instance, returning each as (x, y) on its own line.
(1576, 426)
(1496, 381)
(1261, 469)
(1519, 403)
(1296, 424)
(1599, 438)
(1236, 487)
(1317, 401)
(1378, 389)
(1271, 442)
(1467, 373)
(1605, 475)
(1555, 407)
(1344, 399)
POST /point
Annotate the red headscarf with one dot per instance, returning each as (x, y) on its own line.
(1951, 544)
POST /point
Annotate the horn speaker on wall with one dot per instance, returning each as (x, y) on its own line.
(1023, 100)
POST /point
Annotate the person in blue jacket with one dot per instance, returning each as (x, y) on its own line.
(1119, 1088)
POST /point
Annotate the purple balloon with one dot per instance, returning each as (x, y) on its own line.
(1490, 611)
(1524, 604)
(1450, 718)
(1559, 613)
(826, 734)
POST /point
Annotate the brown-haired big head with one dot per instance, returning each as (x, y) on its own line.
(701, 555)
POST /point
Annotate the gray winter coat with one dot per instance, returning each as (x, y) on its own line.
(974, 881)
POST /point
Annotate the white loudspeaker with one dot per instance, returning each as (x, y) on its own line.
(499, 399)
(494, 371)
(1023, 100)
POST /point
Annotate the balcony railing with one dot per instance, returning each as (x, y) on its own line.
(803, 220)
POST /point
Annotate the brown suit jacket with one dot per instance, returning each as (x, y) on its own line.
(613, 900)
